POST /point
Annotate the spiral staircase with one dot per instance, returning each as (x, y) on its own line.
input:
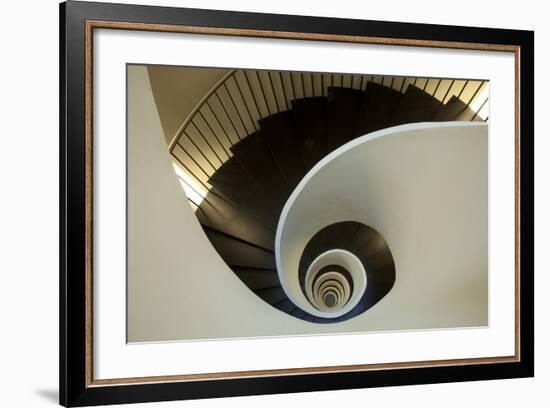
(250, 141)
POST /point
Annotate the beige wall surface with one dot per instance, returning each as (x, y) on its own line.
(177, 91)
(179, 288)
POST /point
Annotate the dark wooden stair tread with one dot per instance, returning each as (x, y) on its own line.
(310, 118)
(257, 278)
(257, 159)
(377, 108)
(238, 252)
(342, 115)
(218, 213)
(415, 106)
(281, 136)
(455, 110)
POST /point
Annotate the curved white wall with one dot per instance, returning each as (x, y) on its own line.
(424, 188)
(178, 286)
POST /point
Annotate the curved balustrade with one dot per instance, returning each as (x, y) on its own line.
(242, 100)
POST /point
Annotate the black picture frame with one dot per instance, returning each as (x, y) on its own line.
(75, 387)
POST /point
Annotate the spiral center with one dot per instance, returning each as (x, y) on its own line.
(330, 299)
(335, 282)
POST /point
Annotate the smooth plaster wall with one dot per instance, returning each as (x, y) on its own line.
(177, 90)
(424, 188)
(179, 287)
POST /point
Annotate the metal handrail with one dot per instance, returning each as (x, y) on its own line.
(199, 106)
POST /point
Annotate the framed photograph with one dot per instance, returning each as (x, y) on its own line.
(255, 204)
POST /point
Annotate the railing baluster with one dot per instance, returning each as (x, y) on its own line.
(206, 140)
(442, 103)
(475, 93)
(229, 117)
(402, 84)
(436, 88)
(194, 160)
(323, 84)
(448, 90)
(215, 116)
(311, 83)
(425, 84)
(273, 91)
(244, 100)
(462, 90)
(189, 171)
(294, 94)
(236, 110)
(198, 148)
(471, 98)
(214, 133)
(253, 97)
(283, 88)
(467, 105)
(263, 93)
(392, 80)
(361, 83)
(302, 83)
(194, 189)
(479, 109)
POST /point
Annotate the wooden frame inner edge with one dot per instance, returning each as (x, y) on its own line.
(91, 24)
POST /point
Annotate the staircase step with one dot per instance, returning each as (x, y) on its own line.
(271, 295)
(310, 116)
(455, 110)
(377, 108)
(342, 115)
(241, 189)
(257, 278)
(415, 106)
(234, 251)
(217, 213)
(258, 160)
(282, 137)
